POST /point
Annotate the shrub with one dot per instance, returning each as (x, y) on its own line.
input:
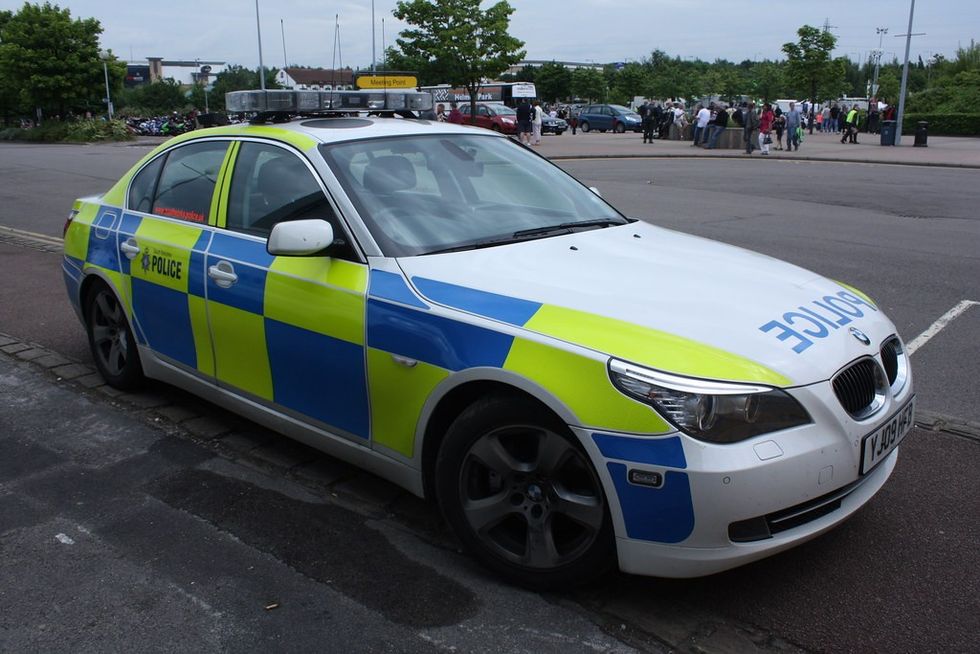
(79, 131)
(944, 124)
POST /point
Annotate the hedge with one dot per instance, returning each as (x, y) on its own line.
(944, 124)
(80, 131)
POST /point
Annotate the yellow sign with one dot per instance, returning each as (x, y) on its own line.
(387, 82)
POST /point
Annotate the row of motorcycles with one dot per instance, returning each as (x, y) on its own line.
(161, 125)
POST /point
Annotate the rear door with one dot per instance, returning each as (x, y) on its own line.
(288, 332)
(162, 238)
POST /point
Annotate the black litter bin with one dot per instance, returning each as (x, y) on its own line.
(888, 132)
(921, 134)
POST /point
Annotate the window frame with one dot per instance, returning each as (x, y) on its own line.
(229, 173)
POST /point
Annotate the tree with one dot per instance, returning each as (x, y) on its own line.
(808, 60)
(238, 78)
(630, 81)
(472, 44)
(50, 61)
(553, 81)
(154, 99)
(767, 80)
(588, 83)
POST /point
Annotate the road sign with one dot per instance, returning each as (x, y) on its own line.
(387, 82)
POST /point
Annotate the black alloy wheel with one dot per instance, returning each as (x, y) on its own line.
(111, 340)
(523, 496)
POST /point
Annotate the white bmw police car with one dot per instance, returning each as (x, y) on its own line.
(449, 310)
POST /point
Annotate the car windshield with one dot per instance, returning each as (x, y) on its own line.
(621, 110)
(502, 110)
(433, 193)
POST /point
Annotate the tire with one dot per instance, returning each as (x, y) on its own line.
(522, 495)
(619, 128)
(111, 340)
(584, 126)
(495, 127)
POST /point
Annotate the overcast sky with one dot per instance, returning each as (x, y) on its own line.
(564, 30)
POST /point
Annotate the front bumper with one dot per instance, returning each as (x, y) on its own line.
(800, 482)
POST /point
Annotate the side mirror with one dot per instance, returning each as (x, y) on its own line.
(595, 190)
(297, 238)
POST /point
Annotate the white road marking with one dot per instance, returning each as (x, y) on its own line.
(938, 326)
(63, 538)
(44, 238)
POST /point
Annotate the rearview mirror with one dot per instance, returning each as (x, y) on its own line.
(297, 238)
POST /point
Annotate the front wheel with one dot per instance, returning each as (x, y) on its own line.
(111, 340)
(584, 126)
(619, 128)
(522, 495)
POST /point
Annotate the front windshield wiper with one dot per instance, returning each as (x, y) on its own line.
(528, 235)
(566, 227)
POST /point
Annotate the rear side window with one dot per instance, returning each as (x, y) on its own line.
(187, 182)
(145, 185)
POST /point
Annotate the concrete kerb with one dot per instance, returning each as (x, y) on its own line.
(737, 155)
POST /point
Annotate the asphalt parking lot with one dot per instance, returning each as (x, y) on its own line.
(153, 493)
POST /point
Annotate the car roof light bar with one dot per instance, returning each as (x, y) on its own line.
(286, 102)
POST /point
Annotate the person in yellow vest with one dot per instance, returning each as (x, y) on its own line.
(851, 124)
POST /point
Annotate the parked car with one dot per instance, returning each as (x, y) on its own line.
(492, 115)
(551, 125)
(609, 116)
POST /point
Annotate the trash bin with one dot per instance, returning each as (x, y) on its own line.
(921, 134)
(888, 132)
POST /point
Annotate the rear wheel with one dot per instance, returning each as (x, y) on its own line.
(523, 496)
(111, 340)
(584, 126)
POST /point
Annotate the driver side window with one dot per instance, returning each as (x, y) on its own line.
(271, 185)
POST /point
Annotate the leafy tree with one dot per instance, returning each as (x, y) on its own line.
(808, 60)
(154, 99)
(472, 44)
(630, 81)
(767, 80)
(238, 78)
(588, 83)
(888, 85)
(50, 61)
(526, 74)
(553, 81)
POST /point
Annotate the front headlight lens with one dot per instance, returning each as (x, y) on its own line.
(716, 412)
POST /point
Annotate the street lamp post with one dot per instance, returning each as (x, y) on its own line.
(105, 70)
(258, 30)
(905, 77)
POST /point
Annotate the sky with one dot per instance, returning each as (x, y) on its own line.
(600, 31)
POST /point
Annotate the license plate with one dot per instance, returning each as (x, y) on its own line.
(879, 443)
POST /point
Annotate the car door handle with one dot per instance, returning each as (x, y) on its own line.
(223, 274)
(130, 248)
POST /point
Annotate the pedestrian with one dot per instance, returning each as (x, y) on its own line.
(719, 125)
(649, 123)
(750, 125)
(826, 119)
(794, 123)
(779, 125)
(441, 113)
(573, 120)
(701, 124)
(819, 118)
(834, 118)
(851, 126)
(680, 120)
(536, 119)
(872, 125)
(455, 115)
(766, 119)
(524, 115)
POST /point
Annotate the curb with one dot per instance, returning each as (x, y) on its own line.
(671, 155)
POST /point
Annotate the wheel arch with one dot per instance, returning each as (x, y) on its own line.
(458, 392)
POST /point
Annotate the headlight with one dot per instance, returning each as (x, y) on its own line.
(712, 411)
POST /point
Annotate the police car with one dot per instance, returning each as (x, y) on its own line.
(447, 309)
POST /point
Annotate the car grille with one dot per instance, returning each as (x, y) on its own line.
(857, 387)
(890, 352)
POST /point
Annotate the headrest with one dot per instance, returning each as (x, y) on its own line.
(388, 174)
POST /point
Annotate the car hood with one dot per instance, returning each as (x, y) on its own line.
(663, 299)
